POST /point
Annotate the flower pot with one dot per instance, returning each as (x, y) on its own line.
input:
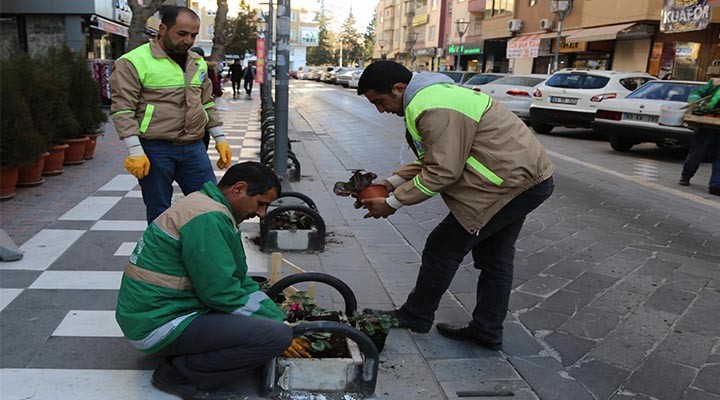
(32, 175)
(54, 162)
(75, 153)
(9, 176)
(90, 146)
(372, 191)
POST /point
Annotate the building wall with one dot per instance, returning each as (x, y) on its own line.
(522, 65)
(44, 32)
(631, 55)
(9, 39)
(610, 12)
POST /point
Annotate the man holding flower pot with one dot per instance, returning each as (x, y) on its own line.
(162, 104)
(490, 171)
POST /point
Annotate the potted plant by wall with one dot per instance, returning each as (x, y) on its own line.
(20, 144)
(376, 326)
(86, 101)
(360, 186)
(48, 90)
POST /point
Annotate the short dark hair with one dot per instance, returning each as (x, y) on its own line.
(169, 14)
(260, 179)
(380, 76)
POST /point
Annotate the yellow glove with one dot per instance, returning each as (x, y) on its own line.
(223, 149)
(139, 166)
(299, 348)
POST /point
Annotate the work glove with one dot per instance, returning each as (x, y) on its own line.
(223, 149)
(299, 348)
(139, 165)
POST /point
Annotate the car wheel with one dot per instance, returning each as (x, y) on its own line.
(620, 144)
(539, 127)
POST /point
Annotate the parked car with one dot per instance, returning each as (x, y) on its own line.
(334, 74)
(571, 96)
(325, 75)
(355, 78)
(634, 119)
(344, 77)
(482, 79)
(513, 91)
(459, 77)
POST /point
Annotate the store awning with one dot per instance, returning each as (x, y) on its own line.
(594, 34)
(553, 35)
(111, 27)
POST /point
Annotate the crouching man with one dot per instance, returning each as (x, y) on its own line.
(186, 295)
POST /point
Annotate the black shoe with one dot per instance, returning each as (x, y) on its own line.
(413, 325)
(684, 182)
(466, 333)
(168, 379)
(715, 191)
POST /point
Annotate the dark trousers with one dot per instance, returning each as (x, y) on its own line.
(493, 250)
(706, 143)
(215, 348)
(186, 164)
(236, 86)
(248, 86)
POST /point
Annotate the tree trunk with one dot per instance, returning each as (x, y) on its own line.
(220, 32)
(140, 15)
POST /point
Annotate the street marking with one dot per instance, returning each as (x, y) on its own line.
(121, 183)
(646, 169)
(90, 209)
(43, 249)
(89, 323)
(125, 249)
(135, 194)
(86, 280)
(639, 181)
(7, 296)
(119, 225)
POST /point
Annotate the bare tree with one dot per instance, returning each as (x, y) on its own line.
(220, 32)
(140, 15)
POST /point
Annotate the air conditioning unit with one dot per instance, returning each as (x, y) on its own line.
(546, 24)
(515, 25)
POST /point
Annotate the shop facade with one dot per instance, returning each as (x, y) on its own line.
(465, 57)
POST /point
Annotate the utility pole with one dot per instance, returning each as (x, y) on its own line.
(282, 86)
(562, 8)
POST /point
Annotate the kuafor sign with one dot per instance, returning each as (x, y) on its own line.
(260, 50)
(684, 16)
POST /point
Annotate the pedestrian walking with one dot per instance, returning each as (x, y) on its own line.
(705, 119)
(190, 299)
(161, 112)
(236, 75)
(249, 77)
(490, 171)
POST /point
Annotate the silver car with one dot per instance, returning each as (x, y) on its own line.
(514, 92)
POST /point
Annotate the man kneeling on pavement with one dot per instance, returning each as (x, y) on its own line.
(186, 295)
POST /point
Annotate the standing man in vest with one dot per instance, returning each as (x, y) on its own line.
(490, 171)
(161, 105)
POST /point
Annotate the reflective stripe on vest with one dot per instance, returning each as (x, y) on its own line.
(160, 333)
(160, 73)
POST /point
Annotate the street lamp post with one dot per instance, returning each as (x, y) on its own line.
(562, 8)
(382, 43)
(461, 27)
(413, 39)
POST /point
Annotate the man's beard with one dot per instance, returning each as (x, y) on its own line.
(173, 48)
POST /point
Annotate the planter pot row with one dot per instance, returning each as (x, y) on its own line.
(74, 152)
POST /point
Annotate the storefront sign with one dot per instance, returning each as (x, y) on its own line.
(466, 48)
(309, 36)
(260, 63)
(686, 17)
(112, 27)
(420, 20)
(523, 48)
(428, 51)
(574, 47)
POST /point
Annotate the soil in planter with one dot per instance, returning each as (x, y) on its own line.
(379, 340)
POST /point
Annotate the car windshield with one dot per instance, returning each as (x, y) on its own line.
(664, 90)
(482, 79)
(456, 76)
(577, 81)
(519, 81)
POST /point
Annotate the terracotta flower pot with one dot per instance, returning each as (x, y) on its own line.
(8, 179)
(32, 175)
(90, 146)
(372, 191)
(54, 162)
(75, 153)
